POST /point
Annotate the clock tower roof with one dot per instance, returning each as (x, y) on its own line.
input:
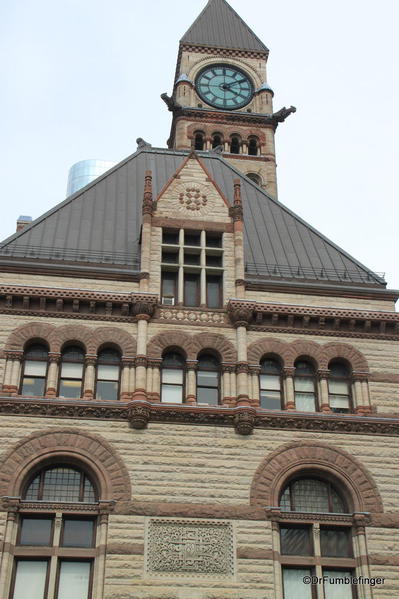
(219, 26)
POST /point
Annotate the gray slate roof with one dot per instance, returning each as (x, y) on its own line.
(101, 224)
(219, 26)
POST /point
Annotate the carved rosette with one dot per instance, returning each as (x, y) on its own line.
(139, 414)
(244, 421)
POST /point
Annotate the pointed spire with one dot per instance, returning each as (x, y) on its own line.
(219, 26)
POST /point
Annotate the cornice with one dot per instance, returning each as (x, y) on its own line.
(139, 414)
(75, 303)
(206, 115)
(70, 269)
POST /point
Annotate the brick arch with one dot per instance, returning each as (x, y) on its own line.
(343, 350)
(304, 348)
(74, 332)
(217, 342)
(119, 337)
(91, 452)
(32, 330)
(258, 349)
(162, 341)
(331, 461)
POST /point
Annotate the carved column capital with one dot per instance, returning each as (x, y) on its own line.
(288, 371)
(143, 310)
(154, 363)
(139, 413)
(128, 361)
(360, 376)
(54, 357)
(141, 361)
(12, 354)
(90, 359)
(228, 367)
(323, 374)
(273, 513)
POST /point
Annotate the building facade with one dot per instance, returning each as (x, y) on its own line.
(200, 392)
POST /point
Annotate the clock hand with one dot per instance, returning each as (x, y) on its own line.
(234, 83)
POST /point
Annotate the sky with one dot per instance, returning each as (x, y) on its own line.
(82, 79)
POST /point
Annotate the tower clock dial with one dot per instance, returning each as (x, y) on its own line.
(224, 86)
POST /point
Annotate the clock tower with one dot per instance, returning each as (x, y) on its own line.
(221, 100)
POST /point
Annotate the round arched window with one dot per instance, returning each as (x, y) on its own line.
(311, 495)
(208, 379)
(34, 370)
(60, 483)
(173, 371)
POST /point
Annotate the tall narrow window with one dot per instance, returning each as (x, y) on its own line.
(169, 287)
(216, 140)
(214, 291)
(208, 380)
(71, 375)
(108, 374)
(339, 385)
(191, 289)
(270, 384)
(199, 141)
(253, 146)
(34, 370)
(173, 373)
(305, 386)
(235, 145)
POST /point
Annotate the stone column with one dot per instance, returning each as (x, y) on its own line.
(278, 582)
(11, 505)
(52, 374)
(317, 551)
(289, 396)
(143, 312)
(7, 373)
(147, 211)
(106, 508)
(155, 394)
(361, 553)
(126, 388)
(361, 398)
(227, 370)
(244, 147)
(323, 386)
(15, 379)
(255, 394)
(89, 376)
(236, 213)
(191, 381)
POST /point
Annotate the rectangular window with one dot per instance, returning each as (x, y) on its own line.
(33, 386)
(208, 387)
(77, 533)
(192, 238)
(74, 580)
(333, 589)
(169, 287)
(193, 259)
(270, 392)
(294, 587)
(32, 575)
(305, 400)
(191, 289)
(338, 395)
(170, 237)
(296, 540)
(172, 385)
(214, 291)
(335, 542)
(213, 240)
(36, 531)
(170, 257)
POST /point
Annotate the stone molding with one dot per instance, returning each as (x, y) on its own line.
(74, 303)
(192, 344)
(243, 418)
(317, 321)
(91, 452)
(332, 462)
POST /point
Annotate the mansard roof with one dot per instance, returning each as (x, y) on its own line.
(219, 26)
(99, 227)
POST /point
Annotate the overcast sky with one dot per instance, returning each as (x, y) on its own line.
(82, 79)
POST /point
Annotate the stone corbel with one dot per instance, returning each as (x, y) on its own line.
(139, 414)
(244, 420)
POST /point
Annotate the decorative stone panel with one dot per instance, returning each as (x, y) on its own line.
(189, 548)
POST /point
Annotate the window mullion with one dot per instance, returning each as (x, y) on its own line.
(317, 554)
(180, 282)
(52, 580)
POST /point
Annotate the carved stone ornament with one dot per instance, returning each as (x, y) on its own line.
(240, 315)
(139, 413)
(193, 198)
(244, 421)
(143, 307)
(190, 547)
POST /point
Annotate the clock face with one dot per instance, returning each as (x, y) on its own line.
(224, 86)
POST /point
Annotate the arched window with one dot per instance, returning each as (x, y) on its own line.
(34, 370)
(235, 145)
(61, 531)
(339, 387)
(270, 384)
(216, 140)
(311, 495)
(199, 141)
(173, 375)
(71, 372)
(208, 379)
(253, 146)
(305, 386)
(255, 178)
(108, 374)
(329, 543)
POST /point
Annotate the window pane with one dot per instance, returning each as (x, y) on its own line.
(30, 575)
(338, 387)
(304, 384)
(207, 395)
(71, 370)
(36, 531)
(294, 587)
(70, 389)
(305, 402)
(207, 378)
(108, 372)
(74, 580)
(77, 533)
(191, 289)
(172, 393)
(169, 284)
(337, 591)
(170, 375)
(35, 368)
(339, 401)
(107, 391)
(270, 381)
(335, 542)
(213, 291)
(295, 541)
(33, 386)
(270, 400)
(310, 495)
(61, 484)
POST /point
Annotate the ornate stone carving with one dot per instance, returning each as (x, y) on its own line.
(244, 421)
(192, 198)
(139, 413)
(191, 316)
(240, 313)
(143, 307)
(189, 547)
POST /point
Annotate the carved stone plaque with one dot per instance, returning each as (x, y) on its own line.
(184, 547)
